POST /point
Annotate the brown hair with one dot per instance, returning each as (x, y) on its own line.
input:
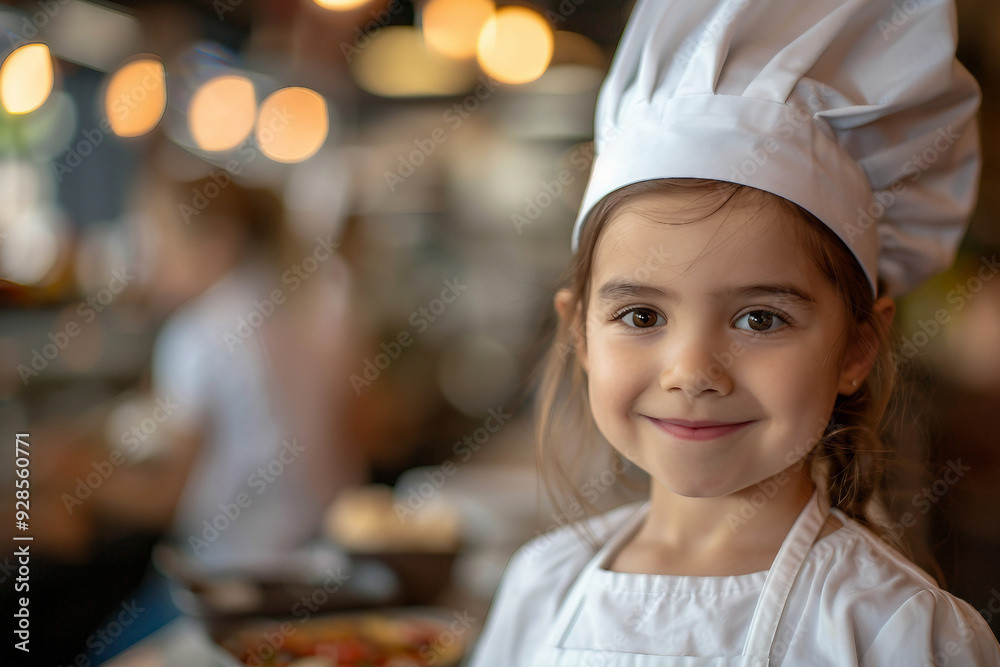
(848, 464)
(258, 212)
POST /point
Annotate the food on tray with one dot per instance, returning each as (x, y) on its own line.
(373, 519)
(369, 640)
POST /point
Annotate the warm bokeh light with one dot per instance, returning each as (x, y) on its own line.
(515, 45)
(26, 78)
(341, 5)
(292, 124)
(452, 27)
(397, 63)
(136, 97)
(222, 113)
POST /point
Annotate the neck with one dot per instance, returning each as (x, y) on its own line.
(757, 517)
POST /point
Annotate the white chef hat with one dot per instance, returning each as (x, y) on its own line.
(856, 110)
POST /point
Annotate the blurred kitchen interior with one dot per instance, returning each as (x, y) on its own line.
(430, 156)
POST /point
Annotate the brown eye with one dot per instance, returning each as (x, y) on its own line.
(642, 318)
(760, 320)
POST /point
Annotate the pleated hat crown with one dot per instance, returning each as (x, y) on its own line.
(856, 110)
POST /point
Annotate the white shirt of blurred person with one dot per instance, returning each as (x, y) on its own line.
(252, 363)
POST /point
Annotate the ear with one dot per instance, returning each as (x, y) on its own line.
(569, 315)
(862, 351)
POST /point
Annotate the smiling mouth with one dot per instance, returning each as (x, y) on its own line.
(685, 430)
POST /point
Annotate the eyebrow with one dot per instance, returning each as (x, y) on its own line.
(618, 289)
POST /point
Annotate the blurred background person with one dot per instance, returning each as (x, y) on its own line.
(245, 363)
(249, 446)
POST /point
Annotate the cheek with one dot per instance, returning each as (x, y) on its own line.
(802, 371)
(617, 375)
(797, 391)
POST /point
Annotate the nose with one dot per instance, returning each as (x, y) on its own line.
(695, 363)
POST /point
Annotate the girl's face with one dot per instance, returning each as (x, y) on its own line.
(722, 319)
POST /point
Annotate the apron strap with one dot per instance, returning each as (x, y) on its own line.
(781, 577)
(571, 604)
(770, 606)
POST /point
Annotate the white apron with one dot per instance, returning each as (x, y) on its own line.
(763, 626)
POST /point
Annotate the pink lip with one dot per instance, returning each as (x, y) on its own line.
(698, 430)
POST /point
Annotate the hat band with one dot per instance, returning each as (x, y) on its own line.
(771, 146)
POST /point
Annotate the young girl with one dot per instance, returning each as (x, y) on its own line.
(769, 175)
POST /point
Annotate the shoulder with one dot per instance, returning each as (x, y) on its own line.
(886, 606)
(186, 345)
(856, 561)
(934, 627)
(211, 322)
(206, 342)
(565, 549)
